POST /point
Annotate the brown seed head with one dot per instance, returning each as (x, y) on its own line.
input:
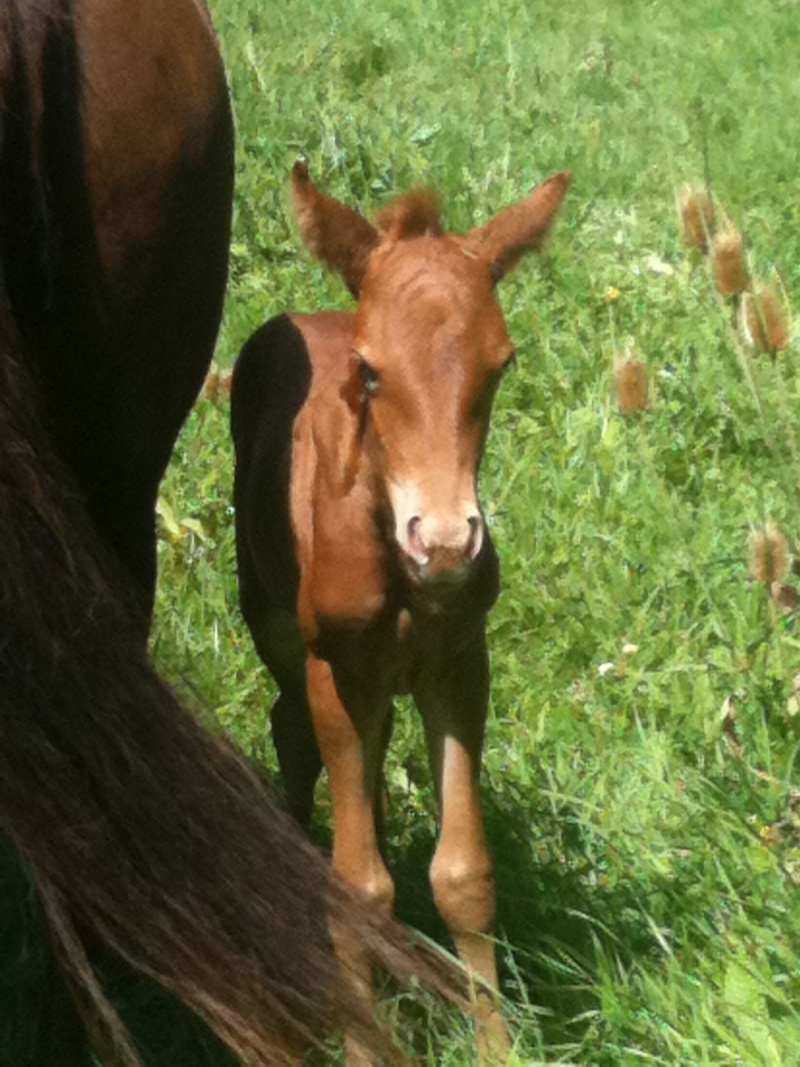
(730, 272)
(630, 382)
(209, 390)
(224, 384)
(769, 554)
(217, 384)
(764, 321)
(785, 595)
(697, 218)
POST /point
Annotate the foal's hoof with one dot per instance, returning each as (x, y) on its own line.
(492, 1039)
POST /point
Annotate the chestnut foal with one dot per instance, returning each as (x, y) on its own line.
(365, 566)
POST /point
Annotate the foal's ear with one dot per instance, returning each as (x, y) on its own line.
(520, 228)
(334, 233)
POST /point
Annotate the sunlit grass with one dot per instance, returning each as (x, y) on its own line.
(647, 876)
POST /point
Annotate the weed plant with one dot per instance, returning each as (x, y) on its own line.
(640, 766)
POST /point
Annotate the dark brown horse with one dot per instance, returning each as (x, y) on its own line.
(116, 194)
(365, 566)
(144, 834)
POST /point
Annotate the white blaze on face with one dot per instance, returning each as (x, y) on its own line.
(432, 344)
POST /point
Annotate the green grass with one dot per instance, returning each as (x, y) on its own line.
(647, 912)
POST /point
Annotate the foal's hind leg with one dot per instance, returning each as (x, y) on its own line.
(280, 645)
(298, 753)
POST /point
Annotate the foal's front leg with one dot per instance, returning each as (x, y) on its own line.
(351, 740)
(452, 693)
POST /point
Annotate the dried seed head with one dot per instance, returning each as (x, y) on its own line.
(224, 384)
(769, 554)
(785, 595)
(630, 382)
(764, 322)
(209, 390)
(730, 272)
(217, 384)
(697, 217)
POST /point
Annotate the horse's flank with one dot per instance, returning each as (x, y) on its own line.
(159, 111)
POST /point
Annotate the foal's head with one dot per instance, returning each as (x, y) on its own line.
(429, 348)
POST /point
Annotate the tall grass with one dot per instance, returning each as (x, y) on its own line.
(648, 867)
(648, 848)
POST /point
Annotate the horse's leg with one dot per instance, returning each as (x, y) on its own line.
(351, 740)
(280, 645)
(452, 693)
(298, 753)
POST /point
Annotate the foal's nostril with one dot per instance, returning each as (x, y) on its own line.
(415, 543)
(475, 539)
(446, 546)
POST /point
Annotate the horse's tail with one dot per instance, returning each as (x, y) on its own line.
(143, 832)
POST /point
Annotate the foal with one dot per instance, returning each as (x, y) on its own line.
(365, 566)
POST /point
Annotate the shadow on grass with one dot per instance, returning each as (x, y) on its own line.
(554, 915)
(553, 911)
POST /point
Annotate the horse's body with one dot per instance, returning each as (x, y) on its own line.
(116, 190)
(365, 566)
(143, 833)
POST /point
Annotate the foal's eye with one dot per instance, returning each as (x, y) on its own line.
(370, 379)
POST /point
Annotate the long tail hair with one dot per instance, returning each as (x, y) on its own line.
(143, 832)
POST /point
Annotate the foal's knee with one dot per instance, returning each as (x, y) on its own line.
(376, 888)
(463, 889)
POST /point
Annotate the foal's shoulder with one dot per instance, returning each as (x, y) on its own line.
(328, 337)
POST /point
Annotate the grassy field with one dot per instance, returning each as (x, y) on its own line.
(648, 861)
